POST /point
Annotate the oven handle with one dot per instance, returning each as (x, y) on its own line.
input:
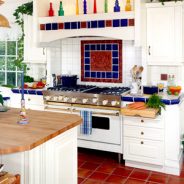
(101, 113)
(58, 109)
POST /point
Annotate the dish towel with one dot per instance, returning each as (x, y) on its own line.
(86, 126)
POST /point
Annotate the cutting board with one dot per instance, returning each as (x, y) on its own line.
(148, 112)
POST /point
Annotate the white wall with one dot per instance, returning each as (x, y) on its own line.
(65, 58)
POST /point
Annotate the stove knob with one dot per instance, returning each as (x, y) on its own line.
(47, 97)
(66, 99)
(95, 100)
(55, 98)
(84, 100)
(113, 103)
(74, 100)
(60, 98)
(105, 102)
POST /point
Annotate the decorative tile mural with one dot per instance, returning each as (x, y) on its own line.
(94, 24)
(101, 61)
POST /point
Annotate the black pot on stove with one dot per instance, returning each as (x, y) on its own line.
(69, 80)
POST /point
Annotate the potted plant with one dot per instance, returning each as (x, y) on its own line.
(2, 107)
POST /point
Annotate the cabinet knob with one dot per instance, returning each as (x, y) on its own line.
(142, 142)
(149, 50)
(142, 133)
(29, 99)
(142, 121)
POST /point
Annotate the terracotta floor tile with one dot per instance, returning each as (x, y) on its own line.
(122, 172)
(80, 180)
(135, 181)
(84, 173)
(116, 179)
(174, 180)
(80, 163)
(99, 176)
(158, 178)
(140, 175)
(105, 168)
(90, 166)
(90, 181)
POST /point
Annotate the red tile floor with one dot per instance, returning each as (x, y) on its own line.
(97, 167)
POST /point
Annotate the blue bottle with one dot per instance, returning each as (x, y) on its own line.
(85, 6)
(116, 7)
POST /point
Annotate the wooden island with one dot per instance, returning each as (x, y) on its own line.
(43, 151)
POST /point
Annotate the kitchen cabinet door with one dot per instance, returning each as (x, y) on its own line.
(32, 54)
(164, 34)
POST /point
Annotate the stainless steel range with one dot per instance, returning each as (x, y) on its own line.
(87, 95)
(103, 102)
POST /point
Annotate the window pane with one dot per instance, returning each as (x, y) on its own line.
(2, 78)
(2, 48)
(2, 63)
(11, 64)
(11, 78)
(18, 79)
(11, 48)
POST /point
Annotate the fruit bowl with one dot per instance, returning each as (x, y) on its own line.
(174, 90)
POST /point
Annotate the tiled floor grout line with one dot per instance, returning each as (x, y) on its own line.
(129, 175)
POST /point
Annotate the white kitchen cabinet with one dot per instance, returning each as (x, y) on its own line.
(34, 102)
(143, 140)
(164, 33)
(53, 162)
(32, 54)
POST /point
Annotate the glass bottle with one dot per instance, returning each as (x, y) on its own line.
(61, 11)
(128, 6)
(94, 7)
(116, 7)
(77, 7)
(106, 6)
(85, 6)
(51, 11)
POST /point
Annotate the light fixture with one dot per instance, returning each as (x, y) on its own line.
(3, 20)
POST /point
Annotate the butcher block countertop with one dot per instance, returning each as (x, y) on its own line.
(42, 127)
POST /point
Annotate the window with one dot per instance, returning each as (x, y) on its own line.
(8, 71)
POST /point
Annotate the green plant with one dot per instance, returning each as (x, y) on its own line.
(162, 1)
(28, 79)
(1, 100)
(155, 102)
(24, 9)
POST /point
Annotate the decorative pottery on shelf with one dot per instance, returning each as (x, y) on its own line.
(61, 11)
(85, 6)
(51, 11)
(116, 7)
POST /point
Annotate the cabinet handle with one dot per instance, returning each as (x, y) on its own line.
(142, 133)
(142, 142)
(43, 51)
(29, 99)
(149, 50)
(142, 121)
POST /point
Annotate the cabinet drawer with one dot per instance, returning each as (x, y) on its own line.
(146, 151)
(144, 122)
(34, 100)
(143, 132)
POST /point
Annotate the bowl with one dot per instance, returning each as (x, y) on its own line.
(174, 90)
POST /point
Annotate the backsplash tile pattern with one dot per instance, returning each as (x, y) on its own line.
(87, 24)
(101, 61)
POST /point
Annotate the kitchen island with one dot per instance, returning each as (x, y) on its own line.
(43, 151)
(155, 144)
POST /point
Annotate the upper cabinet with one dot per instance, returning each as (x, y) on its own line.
(125, 25)
(32, 54)
(164, 33)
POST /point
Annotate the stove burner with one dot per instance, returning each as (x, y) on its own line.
(92, 89)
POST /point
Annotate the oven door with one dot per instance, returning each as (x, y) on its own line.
(106, 126)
